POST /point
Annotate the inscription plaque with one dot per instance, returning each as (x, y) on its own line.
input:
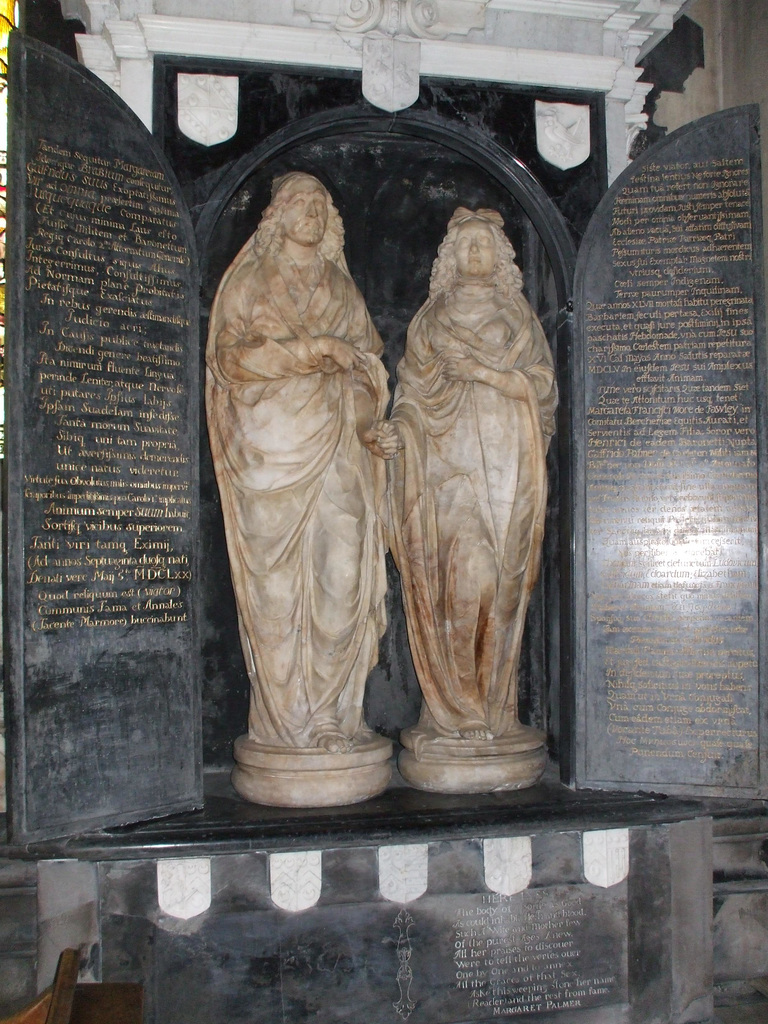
(544, 950)
(102, 463)
(669, 293)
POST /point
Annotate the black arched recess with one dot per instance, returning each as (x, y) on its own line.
(497, 162)
(396, 180)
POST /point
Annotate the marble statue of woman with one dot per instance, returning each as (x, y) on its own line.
(474, 407)
(295, 396)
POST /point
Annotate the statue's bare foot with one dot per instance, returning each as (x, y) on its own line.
(475, 734)
(334, 743)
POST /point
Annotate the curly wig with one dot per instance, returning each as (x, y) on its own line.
(269, 235)
(506, 274)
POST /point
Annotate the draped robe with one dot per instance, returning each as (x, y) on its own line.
(300, 493)
(467, 500)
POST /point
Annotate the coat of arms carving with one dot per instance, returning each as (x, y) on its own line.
(207, 107)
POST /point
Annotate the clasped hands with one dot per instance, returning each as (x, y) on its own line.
(381, 437)
(459, 365)
(335, 354)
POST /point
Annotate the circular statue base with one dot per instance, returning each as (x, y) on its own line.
(447, 764)
(310, 776)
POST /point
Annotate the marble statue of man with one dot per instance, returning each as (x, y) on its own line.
(295, 394)
(475, 407)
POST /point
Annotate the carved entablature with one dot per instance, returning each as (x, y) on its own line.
(424, 19)
(558, 44)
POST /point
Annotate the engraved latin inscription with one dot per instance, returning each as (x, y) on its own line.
(106, 508)
(672, 477)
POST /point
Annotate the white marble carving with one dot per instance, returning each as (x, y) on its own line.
(562, 133)
(345, 15)
(184, 886)
(606, 856)
(99, 57)
(467, 511)
(207, 107)
(439, 18)
(295, 879)
(301, 473)
(635, 118)
(391, 72)
(508, 864)
(421, 18)
(126, 39)
(403, 872)
(517, 41)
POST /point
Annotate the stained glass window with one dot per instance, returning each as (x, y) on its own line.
(9, 13)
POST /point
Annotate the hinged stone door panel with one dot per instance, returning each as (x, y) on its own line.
(102, 436)
(669, 378)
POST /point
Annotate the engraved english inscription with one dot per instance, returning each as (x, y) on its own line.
(672, 482)
(540, 951)
(107, 505)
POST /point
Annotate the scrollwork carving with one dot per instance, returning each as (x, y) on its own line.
(438, 18)
(420, 18)
(362, 15)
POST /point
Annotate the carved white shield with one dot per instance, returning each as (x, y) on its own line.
(207, 107)
(391, 72)
(403, 872)
(606, 856)
(295, 879)
(507, 864)
(184, 886)
(562, 133)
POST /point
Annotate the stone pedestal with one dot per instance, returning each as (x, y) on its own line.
(310, 776)
(443, 764)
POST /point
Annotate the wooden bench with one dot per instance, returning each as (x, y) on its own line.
(67, 1002)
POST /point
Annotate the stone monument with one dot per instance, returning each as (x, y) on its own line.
(295, 396)
(475, 409)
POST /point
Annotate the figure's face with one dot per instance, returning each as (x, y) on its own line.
(305, 214)
(475, 250)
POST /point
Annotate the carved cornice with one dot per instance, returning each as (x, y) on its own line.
(520, 66)
(314, 47)
(96, 53)
(240, 40)
(387, 38)
(423, 19)
(126, 39)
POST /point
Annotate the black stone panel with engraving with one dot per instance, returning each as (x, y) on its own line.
(102, 412)
(564, 952)
(444, 958)
(669, 378)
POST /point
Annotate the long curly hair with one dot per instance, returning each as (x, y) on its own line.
(270, 233)
(506, 274)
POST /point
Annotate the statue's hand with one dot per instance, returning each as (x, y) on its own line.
(336, 353)
(460, 366)
(383, 439)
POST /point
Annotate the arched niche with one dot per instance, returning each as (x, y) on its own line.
(396, 182)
